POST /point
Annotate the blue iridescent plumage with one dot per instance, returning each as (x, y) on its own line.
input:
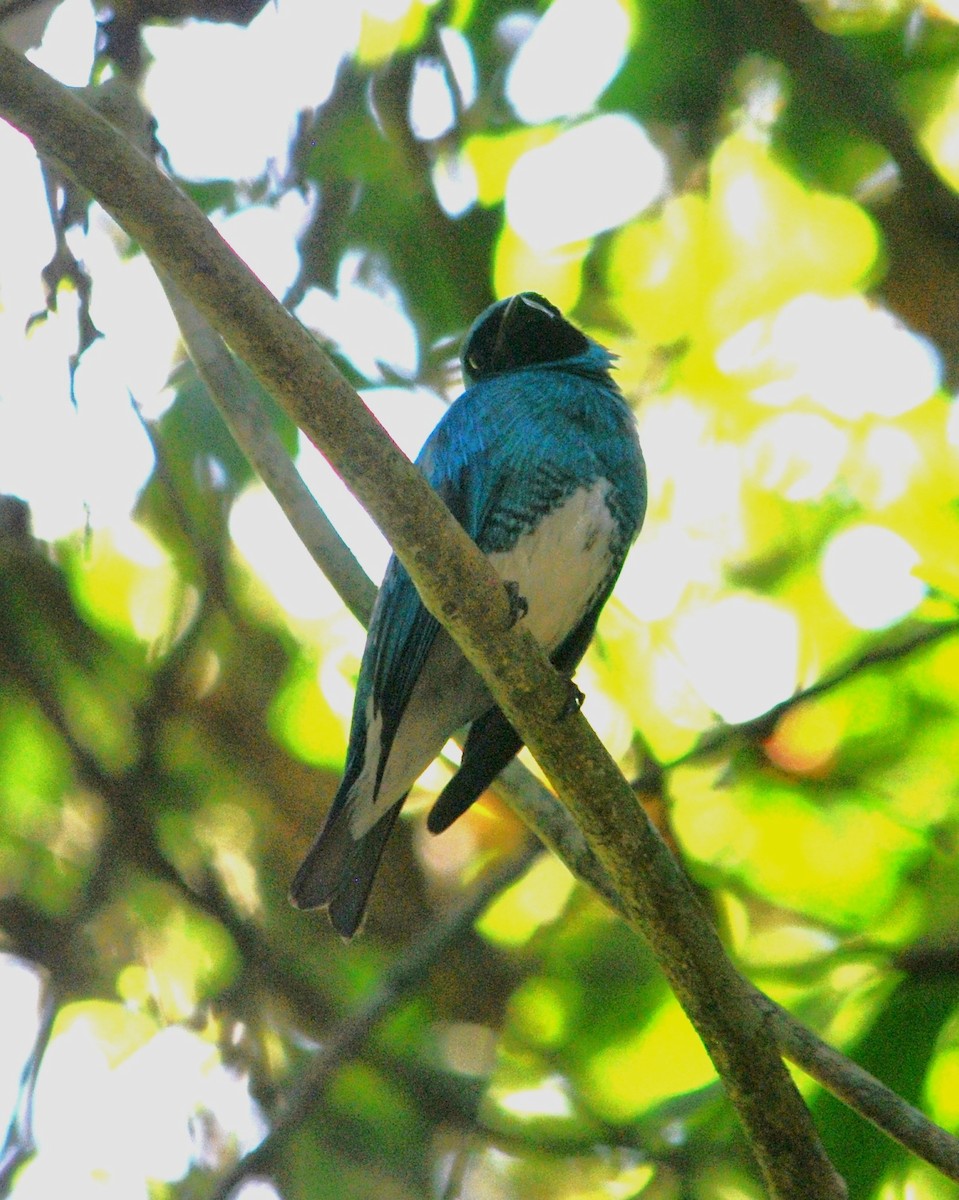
(540, 462)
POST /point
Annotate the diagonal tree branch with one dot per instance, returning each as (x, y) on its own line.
(554, 827)
(256, 437)
(460, 588)
(832, 1069)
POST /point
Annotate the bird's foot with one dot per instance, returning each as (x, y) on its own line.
(574, 701)
(518, 604)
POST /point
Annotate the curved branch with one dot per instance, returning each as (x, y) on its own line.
(915, 638)
(460, 588)
(540, 810)
(831, 1068)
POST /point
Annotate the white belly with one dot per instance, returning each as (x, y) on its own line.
(558, 568)
(560, 565)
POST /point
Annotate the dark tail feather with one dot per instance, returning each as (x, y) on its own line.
(490, 745)
(338, 872)
(492, 742)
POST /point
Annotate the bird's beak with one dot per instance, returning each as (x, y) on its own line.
(501, 333)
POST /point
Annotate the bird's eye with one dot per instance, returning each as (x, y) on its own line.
(472, 362)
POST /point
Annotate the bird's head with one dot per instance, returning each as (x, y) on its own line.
(525, 330)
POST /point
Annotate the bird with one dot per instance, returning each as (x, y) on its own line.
(539, 460)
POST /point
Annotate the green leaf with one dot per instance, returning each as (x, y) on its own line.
(898, 1049)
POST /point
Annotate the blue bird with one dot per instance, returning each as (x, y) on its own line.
(539, 461)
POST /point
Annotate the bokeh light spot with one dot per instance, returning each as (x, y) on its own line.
(868, 572)
(618, 173)
(591, 36)
(742, 654)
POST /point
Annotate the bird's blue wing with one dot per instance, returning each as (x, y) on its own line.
(514, 446)
(402, 633)
(339, 869)
(402, 630)
(505, 455)
(532, 467)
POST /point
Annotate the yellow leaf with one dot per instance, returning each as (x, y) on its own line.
(771, 238)
(655, 270)
(493, 155)
(558, 273)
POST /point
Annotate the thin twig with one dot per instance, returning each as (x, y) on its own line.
(407, 971)
(901, 646)
(231, 391)
(862, 1092)
(842, 1077)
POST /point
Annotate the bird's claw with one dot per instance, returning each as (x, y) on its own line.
(518, 604)
(574, 700)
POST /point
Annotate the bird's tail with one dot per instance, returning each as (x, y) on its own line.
(339, 869)
(490, 744)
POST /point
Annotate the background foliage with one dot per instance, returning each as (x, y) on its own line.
(736, 205)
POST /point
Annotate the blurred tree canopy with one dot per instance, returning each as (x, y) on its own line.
(750, 202)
